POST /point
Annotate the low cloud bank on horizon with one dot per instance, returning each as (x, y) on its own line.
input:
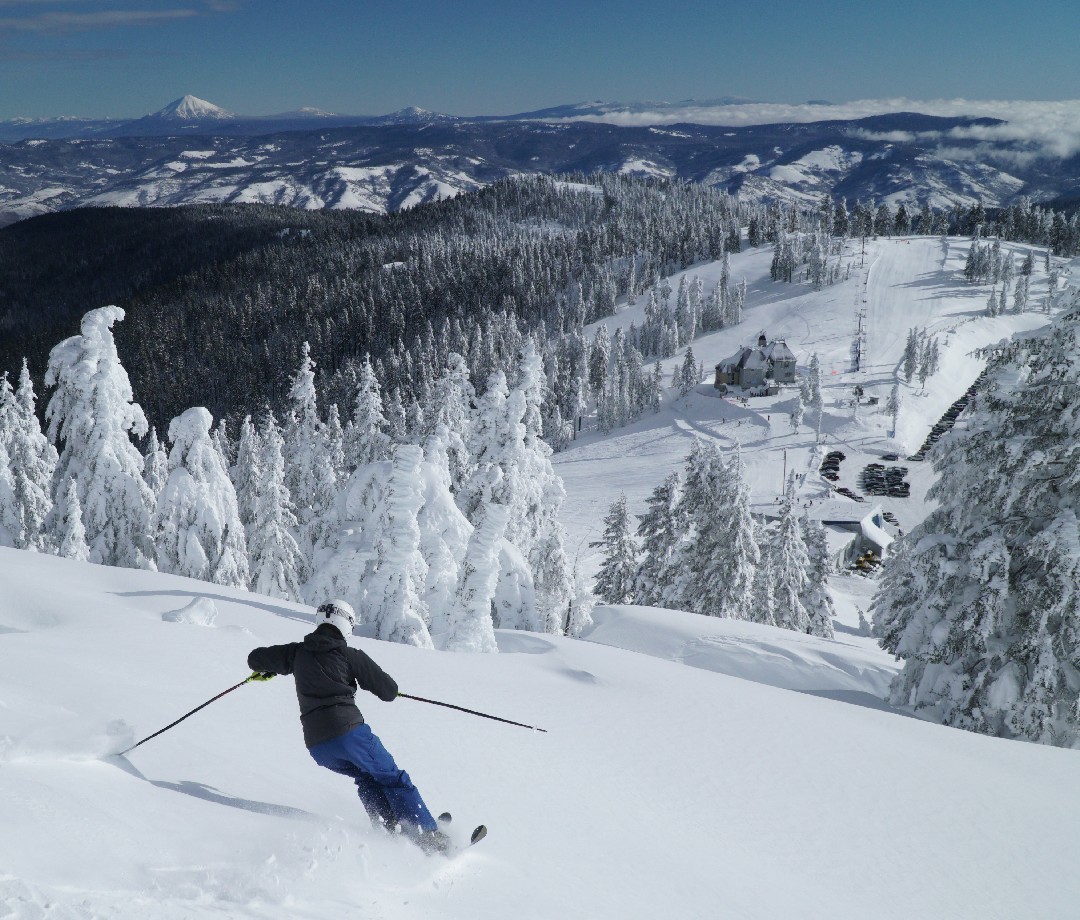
(1032, 129)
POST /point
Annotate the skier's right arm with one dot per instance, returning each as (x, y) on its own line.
(273, 659)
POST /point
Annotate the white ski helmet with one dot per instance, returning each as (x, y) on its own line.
(339, 614)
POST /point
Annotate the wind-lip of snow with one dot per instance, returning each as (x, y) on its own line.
(751, 651)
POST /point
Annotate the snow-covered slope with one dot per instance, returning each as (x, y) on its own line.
(660, 789)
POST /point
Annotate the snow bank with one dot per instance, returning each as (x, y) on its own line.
(200, 612)
(751, 651)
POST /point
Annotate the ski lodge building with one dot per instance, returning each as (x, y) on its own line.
(755, 366)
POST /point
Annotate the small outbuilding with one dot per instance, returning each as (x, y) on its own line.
(851, 529)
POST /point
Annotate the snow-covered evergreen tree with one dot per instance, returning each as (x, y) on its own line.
(304, 445)
(277, 565)
(538, 533)
(444, 535)
(69, 526)
(892, 406)
(155, 464)
(911, 355)
(797, 411)
(361, 565)
(394, 590)
(790, 564)
(980, 600)
(366, 436)
(661, 530)
(763, 592)
(513, 468)
(9, 517)
(579, 615)
(471, 628)
(599, 355)
(246, 474)
(1020, 293)
(1008, 273)
(223, 443)
(196, 525)
(329, 460)
(719, 558)
(688, 373)
(92, 415)
(453, 394)
(816, 400)
(496, 444)
(33, 462)
(7, 410)
(615, 580)
(397, 422)
(816, 598)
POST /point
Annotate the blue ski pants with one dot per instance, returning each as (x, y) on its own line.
(387, 793)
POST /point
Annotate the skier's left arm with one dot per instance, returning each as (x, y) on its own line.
(273, 659)
(369, 676)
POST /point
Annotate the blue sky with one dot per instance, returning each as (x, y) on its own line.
(126, 58)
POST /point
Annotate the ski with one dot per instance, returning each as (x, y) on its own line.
(478, 834)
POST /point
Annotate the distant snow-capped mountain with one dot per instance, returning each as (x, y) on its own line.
(191, 108)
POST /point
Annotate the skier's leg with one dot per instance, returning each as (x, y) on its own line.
(364, 749)
(374, 800)
(333, 755)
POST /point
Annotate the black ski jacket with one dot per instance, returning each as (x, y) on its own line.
(327, 673)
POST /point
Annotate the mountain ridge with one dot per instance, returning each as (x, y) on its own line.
(402, 162)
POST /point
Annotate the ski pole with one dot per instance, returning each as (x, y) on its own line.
(471, 712)
(181, 719)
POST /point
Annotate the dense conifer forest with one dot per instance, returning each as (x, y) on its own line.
(219, 299)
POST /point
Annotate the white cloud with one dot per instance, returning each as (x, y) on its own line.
(1033, 128)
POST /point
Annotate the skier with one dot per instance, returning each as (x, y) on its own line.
(327, 673)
